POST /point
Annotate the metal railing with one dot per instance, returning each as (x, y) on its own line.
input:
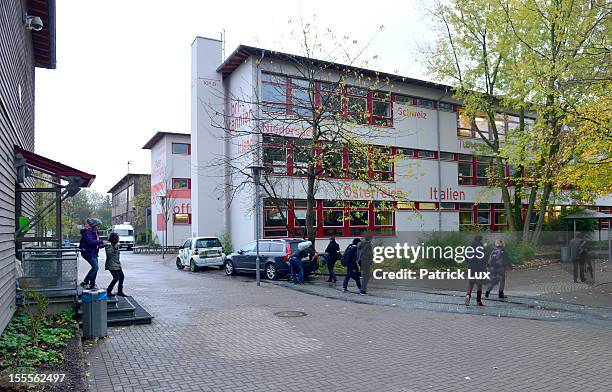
(147, 249)
(49, 269)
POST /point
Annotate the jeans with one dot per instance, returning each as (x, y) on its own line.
(351, 274)
(90, 278)
(296, 268)
(330, 268)
(117, 277)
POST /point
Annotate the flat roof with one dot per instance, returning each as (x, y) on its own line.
(242, 52)
(124, 178)
(158, 135)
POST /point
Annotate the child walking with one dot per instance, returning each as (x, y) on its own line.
(113, 264)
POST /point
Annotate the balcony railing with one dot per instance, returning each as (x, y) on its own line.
(49, 269)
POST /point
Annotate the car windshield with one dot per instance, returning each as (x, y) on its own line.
(124, 232)
(208, 243)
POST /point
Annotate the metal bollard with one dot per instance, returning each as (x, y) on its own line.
(94, 313)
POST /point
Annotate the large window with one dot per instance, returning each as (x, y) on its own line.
(296, 96)
(181, 148)
(333, 160)
(275, 154)
(181, 219)
(381, 162)
(275, 217)
(474, 170)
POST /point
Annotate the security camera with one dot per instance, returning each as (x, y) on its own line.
(33, 23)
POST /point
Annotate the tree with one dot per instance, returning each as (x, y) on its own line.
(308, 113)
(165, 200)
(548, 58)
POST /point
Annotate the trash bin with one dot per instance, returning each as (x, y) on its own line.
(565, 254)
(94, 313)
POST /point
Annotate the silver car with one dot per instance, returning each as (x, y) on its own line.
(197, 252)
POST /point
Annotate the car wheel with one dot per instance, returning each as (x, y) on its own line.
(229, 268)
(271, 271)
(193, 267)
(179, 265)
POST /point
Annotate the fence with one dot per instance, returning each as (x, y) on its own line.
(49, 269)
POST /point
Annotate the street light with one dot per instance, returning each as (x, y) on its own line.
(256, 172)
(162, 199)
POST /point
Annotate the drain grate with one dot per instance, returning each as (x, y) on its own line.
(290, 313)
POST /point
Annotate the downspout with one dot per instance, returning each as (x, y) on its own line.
(257, 91)
(439, 160)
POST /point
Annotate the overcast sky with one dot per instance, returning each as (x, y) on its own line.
(123, 67)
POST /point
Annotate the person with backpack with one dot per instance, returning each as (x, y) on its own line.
(113, 265)
(333, 254)
(349, 260)
(475, 264)
(366, 254)
(499, 263)
(89, 245)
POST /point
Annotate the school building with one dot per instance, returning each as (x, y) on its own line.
(435, 181)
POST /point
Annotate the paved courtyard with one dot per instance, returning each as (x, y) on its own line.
(215, 333)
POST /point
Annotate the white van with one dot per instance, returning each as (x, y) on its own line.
(126, 235)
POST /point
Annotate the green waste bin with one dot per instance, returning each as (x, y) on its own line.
(94, 313)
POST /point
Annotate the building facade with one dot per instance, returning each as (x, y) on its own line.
(20, 51)
(434, 180)
(170, 187)
(123, 207)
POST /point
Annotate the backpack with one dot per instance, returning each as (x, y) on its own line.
(497, 257)
(345, 257)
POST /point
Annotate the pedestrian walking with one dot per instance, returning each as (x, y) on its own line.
(366, 253)
(349, 260)
(89, 245)
(333, 254)
(476, 265)
(295, 261)
(578, 254)
(499, 263)
(113, 265)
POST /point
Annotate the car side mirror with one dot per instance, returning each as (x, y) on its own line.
(240, 252)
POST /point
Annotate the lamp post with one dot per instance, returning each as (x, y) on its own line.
(256, 172)
(162, 199)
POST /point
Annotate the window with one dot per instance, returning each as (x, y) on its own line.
(406, 205)
(383, 218)
(381, 163)
(500, 217)
(465, 170)
(466, 214)
(358, 163)
(406, 152)
(181, 219)
(426, 154)
(447, 206)
(275, 154)
(500, 126)
(274, 93)
(208, 243)
(427, 206)
(332, 161)
(445, 106)
(465, 128)
(301, 157)
(187, 244)
(275, 217)
(405, 99)
(181, 148)
(302, 97)
(333, 218)
(359, 217)
(181, 183)
(381, 108)
(330, 98)
(483, 167)
(483, 215)
(447, 156)
(426, 103)
(357, 104)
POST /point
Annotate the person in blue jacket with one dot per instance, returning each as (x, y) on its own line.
(89, 245)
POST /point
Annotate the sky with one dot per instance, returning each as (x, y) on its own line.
(123, 67)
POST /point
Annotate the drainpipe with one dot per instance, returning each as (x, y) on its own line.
(257, 91)
(439, 160)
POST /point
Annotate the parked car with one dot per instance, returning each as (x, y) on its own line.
(274, 259)
(126, 235)
(197, 252)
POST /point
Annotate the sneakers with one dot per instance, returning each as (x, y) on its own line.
(344, 289)
(467, 300)
(363, 292)
(501, 295)
(84, 285)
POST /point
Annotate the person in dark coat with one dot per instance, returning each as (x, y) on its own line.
(366, 254)
(113, 265)
(578, 255)
(499, 263)
(333, 254)
(90, 244)
(352, 268)
(476, 264)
